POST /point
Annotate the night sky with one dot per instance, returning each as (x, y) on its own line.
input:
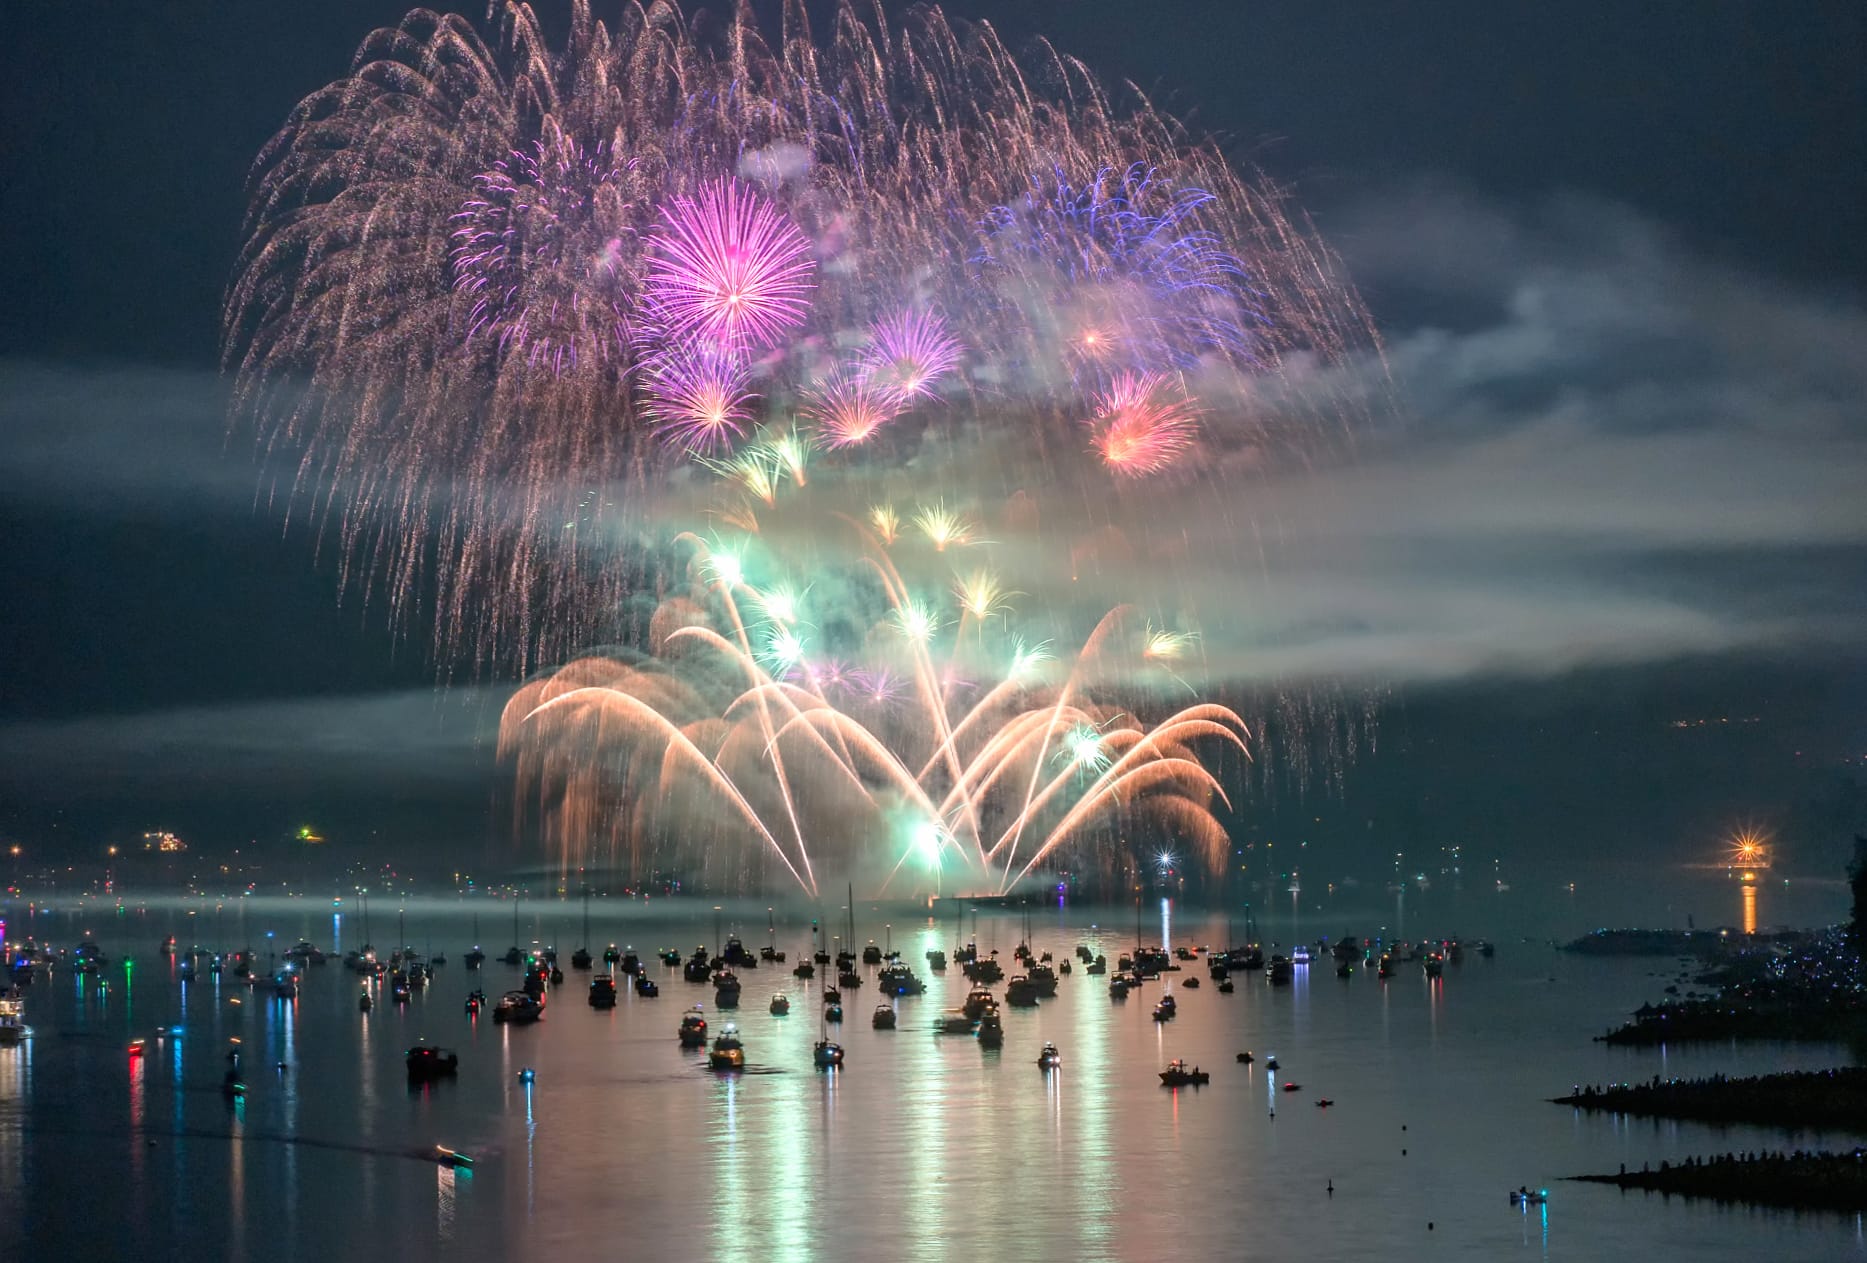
(1615, 253)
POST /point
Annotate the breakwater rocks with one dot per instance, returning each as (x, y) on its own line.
(1803, 1179)
(1819, 1099)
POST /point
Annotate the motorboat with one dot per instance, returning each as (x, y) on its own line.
(168, 945)
(898, 979)
(1270, 1063)
(1529, 1197)
(984, 970)
(513, 956)
(697, 968)
(1180, 1075)
(693, 1028)
(1293, 1087)
(780, 1004)
(1190, 982)
(1168, 1003)
(581, 958)
(1386, 968)
(475, 958)
(1281, 971)
(1049, 1058)
(476, 1000)
(849, 978)
(612, 955)
(884, 1019)
(670, 957)
(1043, 977)
(726, 989)
(603, 992)
(1020, 992)
(285, 985)
(646, 987)
(871, 955)
(364, 1002)
(518, 1006)
(1434, 965)
(827, 1054)
(955, 1022)
(736, 954)
(1246, 1058)
(428, 1062)
(936, 960)
(991, 1030)
(833, 1013)
(1162, 1013)
(978, 1002)
(727, 1052)
(630, 963)
(1323, 1102)
(1121, 984)
(804, 969)
(1299, 955)
(832, 996)
(1100, 965)
(1227, 987)
(398, 987)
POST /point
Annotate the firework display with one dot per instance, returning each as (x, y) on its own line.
(804, 398)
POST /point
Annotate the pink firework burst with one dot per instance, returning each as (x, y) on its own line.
(1141, 423)
(909, 352)
(697, 394)
(849, 407)
(727, 266)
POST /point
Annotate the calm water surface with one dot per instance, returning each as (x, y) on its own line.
(924, 1147)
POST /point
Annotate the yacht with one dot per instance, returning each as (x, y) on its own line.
(12, 1018)
(1021, 992)
(518, 1006)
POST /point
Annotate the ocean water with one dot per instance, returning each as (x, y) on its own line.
(924, 1146)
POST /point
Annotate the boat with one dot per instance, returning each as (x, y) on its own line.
(832, 996)
(1246, 1058)
(697, 968)
(12, 1018)
(898, 979)
(452, 1158)
(518, 1006)
(364, 1003)
(978, 1002)
(1529, 1197)
(832, 1012)
(1043, 977)
(1270, 1063)
(726, 989)
(168, 945)
(1121, 984)
(884, 1019)
(398, 987)
(1299, 955)
(612, 955)
(1167, 1003)
(184, 972)
(1293, 1087)
(780, 1004)
(936, 960)
(1100, 965)
(1344, 970)
(1227, 987)
(1323, 1102)
(1162, 1013)
(955, 1022)
(476, 1000)
(991, 1030)
(603, 992)
(1179, 1075)
(871, 955)
(428, 1062)
(1049, 1058)
(1020, 992)
(285, 985)
(1281, 971)
(693, 1028)
(828, 1055)
(670, 957)
(1386, 968)
(804, 970)
(1434, 965)
(1190, 982)
(646, 987)
(630, 963)
(727, 1053)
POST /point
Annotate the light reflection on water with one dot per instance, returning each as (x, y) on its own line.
(925, 1146)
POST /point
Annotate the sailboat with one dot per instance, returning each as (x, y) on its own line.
(828, 1055)
(580, 959)
(476, 957)
(848, 977)
(513, 955)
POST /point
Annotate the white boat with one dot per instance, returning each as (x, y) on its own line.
(12, 1018)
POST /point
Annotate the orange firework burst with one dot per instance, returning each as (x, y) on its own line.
(1142, 422)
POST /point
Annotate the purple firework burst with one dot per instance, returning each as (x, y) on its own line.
(729, 267)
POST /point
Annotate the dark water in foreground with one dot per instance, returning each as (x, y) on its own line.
(925, 1147)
